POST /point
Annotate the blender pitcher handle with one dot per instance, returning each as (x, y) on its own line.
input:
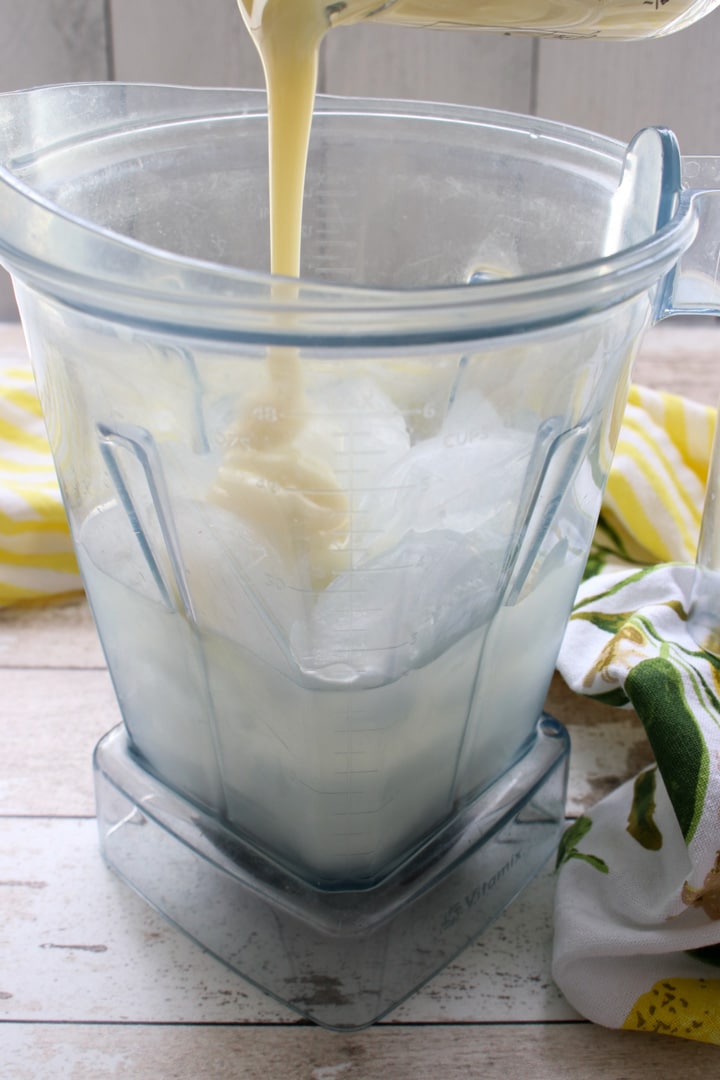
(693, 288)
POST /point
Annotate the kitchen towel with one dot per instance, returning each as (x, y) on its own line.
(637, 916)
(36, 554)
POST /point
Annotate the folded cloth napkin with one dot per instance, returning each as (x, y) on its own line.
(637, 916)
(36, 554)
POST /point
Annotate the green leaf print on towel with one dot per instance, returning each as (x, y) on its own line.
(641, 822)
(610, 622)
(568, 846)
(655, 688)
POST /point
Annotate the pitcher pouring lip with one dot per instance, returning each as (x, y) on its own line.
(87, 257)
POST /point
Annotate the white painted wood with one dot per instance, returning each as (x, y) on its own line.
(49, 41)
(618, 88)
(66, 712)
(64, 915)
(186, 42)
(507, 1052)
(466, 68)
(59, 635)
(609, 746)
(74, 923)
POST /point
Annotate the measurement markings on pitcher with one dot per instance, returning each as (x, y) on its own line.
(357, 754)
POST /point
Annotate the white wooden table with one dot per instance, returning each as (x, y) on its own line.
(94, 984)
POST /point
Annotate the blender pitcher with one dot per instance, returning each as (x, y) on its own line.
(331, 623)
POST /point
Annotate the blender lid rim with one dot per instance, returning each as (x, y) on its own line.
(642, 263)
(472, 315)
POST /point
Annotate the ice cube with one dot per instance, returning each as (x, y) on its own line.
(400, 610)
(466, 477)
(432, 534)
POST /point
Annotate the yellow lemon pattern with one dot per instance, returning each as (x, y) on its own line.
(688, 1008)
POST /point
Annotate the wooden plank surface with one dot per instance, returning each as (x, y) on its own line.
(65, 914)
(67, 712)
(492, 1052)
(56, 635)
(451, 1052)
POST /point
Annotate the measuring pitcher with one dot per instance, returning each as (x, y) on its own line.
(620, 19)
(331, 614)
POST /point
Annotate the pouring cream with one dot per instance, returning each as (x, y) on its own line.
(286, 492)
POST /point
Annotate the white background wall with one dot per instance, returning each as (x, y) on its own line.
(613, 88)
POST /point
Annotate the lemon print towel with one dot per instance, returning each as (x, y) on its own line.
(36, 555)
(637, 917)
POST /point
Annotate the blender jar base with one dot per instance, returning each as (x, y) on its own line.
(341, 958)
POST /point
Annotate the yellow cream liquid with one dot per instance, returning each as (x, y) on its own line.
(290, 496)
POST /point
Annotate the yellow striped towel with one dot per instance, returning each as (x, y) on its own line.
(36, 555)
(653, 502)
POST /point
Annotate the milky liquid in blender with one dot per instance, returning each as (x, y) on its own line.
(340, 733)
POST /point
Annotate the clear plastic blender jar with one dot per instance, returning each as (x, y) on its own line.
(338, 719)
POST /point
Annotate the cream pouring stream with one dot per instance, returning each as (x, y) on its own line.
(288, 493)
